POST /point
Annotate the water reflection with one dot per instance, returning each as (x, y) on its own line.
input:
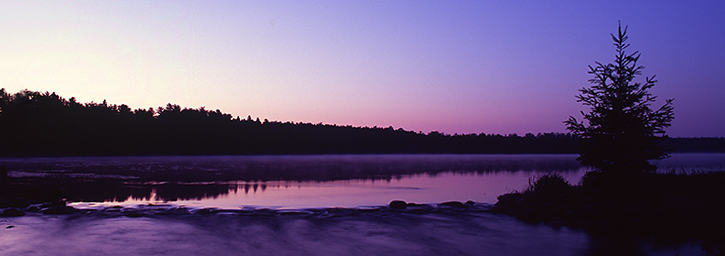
(313, 181)
(292, 181)
(254, 179)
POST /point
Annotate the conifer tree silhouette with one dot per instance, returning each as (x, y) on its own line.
(622, 132)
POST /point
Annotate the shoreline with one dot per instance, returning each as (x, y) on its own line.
(685, 206)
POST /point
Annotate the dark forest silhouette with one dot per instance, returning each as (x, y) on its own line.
(46, 124)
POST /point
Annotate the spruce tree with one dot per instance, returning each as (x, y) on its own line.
(621, 132)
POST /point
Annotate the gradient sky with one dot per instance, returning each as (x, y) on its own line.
(452, 66)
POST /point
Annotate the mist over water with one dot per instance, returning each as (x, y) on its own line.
(299, 182)
(288, 181)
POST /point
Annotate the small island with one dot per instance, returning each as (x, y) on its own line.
(623, 195)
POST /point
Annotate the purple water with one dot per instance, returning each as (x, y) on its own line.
(374, 234)
(291, 181)
(296, 182)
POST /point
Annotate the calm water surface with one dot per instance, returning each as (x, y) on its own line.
(308, 181)
(236, 182)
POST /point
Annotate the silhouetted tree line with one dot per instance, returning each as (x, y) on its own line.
(45, 124)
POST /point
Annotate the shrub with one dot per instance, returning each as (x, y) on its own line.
(550, 184)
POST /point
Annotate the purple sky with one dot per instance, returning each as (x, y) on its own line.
(451, 66)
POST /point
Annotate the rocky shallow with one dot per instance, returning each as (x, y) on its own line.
(400, 228)
(15, 209)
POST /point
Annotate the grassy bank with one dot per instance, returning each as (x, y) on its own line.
(674, 205)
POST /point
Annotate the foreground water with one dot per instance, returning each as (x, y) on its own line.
(361, 234)
(298, 182)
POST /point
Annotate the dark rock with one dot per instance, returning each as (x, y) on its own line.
(398, 204)
(135, 214)
(294, 213)
(175, 211)
(58, 210)
(12, 212)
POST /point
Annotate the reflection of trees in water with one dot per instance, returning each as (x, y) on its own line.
(110, 190)
(195, 178)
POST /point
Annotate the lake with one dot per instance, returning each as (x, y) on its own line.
(305, 181)
(302, 182)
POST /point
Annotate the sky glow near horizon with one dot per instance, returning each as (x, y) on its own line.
(454, 67)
